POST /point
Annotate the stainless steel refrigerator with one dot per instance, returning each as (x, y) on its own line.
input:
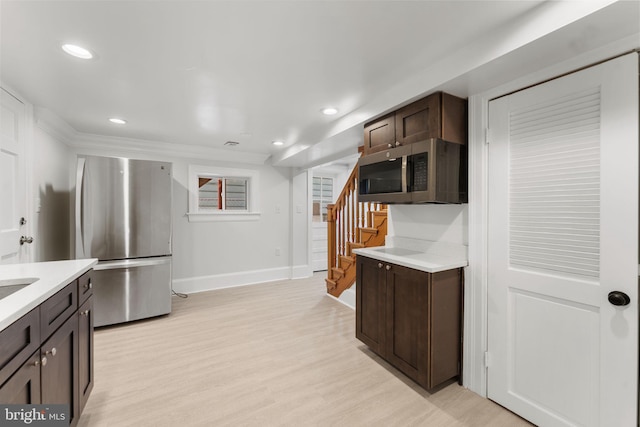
(123, 218)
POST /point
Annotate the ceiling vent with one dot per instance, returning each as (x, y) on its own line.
(231, 143)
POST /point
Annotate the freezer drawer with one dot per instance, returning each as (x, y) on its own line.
(131, 290)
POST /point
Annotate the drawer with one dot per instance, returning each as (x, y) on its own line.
(19, 340)
(57, 309)
(85, 287)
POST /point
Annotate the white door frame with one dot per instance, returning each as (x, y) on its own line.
(475, 304)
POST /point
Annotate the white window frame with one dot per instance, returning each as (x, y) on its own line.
(195, 214)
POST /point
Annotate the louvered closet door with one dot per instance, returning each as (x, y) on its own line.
(563, 234)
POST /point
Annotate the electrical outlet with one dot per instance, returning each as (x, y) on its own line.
(277, 251)
(277, 209)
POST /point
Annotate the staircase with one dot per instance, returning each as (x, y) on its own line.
(351, 225)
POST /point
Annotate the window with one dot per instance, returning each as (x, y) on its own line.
(222, 194)
(322, 196)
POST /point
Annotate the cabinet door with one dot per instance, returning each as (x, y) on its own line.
(370, 295)
(407, 327)
(17, 342)
(59, 380)
(419, 121)
(380, 134)
(24, 386)
(85, 355)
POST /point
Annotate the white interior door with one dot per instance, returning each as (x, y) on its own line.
(12, 177)
(563, 234)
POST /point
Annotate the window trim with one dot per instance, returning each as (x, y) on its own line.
(196, 215)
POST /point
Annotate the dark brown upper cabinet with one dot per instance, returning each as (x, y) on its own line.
(380, 134)
(439, 115)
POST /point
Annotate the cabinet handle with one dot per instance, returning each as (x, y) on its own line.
(388, 267)
(52, 352)
(88, 285)
(398, 143)
(44, 361)
(379, 265)
(84, 313)
(36, 363)
(390, 145)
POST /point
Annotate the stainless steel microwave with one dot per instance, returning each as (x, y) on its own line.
(431, 171)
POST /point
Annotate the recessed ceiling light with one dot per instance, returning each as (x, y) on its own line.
(77, 51)
(330, 111)
(117, 121)
(278, 142)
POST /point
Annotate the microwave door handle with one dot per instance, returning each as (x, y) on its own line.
(405, 189)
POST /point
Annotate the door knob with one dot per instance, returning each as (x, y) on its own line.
(25, 239)
(618, 298)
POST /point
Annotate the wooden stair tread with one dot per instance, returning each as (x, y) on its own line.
(370, 230)
(347, 259)
(337, 272)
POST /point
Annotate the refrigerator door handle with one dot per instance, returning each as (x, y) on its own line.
(128, 263)
(79, 209)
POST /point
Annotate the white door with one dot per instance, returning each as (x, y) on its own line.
(12, 178)
(563, 234)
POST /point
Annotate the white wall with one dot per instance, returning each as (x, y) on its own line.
(210, 255)
(51, 197)
(442, 223)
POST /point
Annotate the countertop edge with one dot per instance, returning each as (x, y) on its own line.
(56, 275)
(449, 263)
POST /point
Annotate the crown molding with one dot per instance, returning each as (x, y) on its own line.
(186, 151)
(61, 130)
(52, 124)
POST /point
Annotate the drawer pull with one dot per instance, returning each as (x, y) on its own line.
(388, 267)
(379, 265)
(44, 361)
(88, 285)
(52, 352)
(84, 313)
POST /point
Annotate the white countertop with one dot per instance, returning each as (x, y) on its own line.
(422, 255)
(52, 277)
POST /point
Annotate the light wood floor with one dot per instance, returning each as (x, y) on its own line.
(275, 354)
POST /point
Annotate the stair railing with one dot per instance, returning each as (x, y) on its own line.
(344, 219)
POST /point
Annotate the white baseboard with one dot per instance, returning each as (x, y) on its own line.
(347, 297)
(219, 281)
(301, 271)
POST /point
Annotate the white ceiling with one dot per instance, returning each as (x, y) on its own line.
(206, 72)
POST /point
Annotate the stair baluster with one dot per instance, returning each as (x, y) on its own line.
(351, 225)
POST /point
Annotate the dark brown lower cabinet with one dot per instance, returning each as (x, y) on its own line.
(411, 318)
(24, 386)
(61, 369)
